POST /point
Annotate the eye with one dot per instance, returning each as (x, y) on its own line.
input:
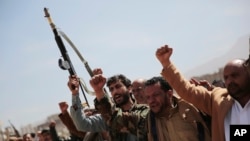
(137, 89)
(235, 75)
(111, 89)
(225, 77)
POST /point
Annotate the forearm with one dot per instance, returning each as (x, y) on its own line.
(100, 94)
(76, 104)
(196, 95)
(67, 121)
(93, 123)
(105, 107)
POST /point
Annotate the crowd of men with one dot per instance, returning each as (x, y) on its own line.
(162, 108)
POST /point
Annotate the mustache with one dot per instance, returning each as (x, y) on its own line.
(233, 85)
(117, 94)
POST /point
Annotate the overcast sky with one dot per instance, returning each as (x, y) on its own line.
(117, 36)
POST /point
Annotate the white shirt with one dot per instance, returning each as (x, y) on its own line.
(236, 115)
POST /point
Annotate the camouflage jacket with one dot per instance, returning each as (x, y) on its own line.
(124, 125)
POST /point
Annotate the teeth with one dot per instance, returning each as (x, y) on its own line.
(117, 96)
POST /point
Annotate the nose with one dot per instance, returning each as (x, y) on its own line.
(149, 100)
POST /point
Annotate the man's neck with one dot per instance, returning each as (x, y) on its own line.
(127, 106)
(243, 100)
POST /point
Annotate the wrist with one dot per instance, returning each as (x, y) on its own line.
(166, 64)
(99, 94)
(75, 92)
(63, 112)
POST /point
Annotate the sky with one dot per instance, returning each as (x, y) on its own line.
(117, 36)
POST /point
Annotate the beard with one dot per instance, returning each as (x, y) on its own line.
(235, 90)
(164, 108)
(123, 99)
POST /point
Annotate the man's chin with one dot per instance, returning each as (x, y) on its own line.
(154, 110)
(119, 103)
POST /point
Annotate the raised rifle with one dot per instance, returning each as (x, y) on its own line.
(66, 63)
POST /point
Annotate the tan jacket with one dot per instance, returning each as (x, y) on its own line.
(216, 103)
(181, 124)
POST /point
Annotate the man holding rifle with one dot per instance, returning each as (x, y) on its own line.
(120, 88)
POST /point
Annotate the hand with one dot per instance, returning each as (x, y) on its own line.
(74, 84)
(97, 82)
(97, 71)
(194, 81)
(163, 55)
(63, 107)
(52, 124)
(203, 83)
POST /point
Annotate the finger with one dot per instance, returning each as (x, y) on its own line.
(96, 80)
(162, 50)
(97, 71)
(194, 81)
(61, 103)
(72, 76)
(191, 81)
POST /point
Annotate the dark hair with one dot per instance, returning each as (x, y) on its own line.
(115, 78)
(33, 135)
(158, 79)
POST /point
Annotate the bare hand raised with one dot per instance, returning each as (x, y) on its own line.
(97, 82)
(163, 55)
(97, 71)
(63, 107)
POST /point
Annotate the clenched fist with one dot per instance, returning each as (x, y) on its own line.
(98, 82)
(63, 107)
(163, 55)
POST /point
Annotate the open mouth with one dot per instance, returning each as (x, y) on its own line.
(117, 97)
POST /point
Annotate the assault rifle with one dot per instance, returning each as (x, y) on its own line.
(66, 63)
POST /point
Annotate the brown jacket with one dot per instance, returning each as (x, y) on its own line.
(216, 103)
(183, 123)
(68, 122)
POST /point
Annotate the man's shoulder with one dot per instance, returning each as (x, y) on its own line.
(140, 108)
